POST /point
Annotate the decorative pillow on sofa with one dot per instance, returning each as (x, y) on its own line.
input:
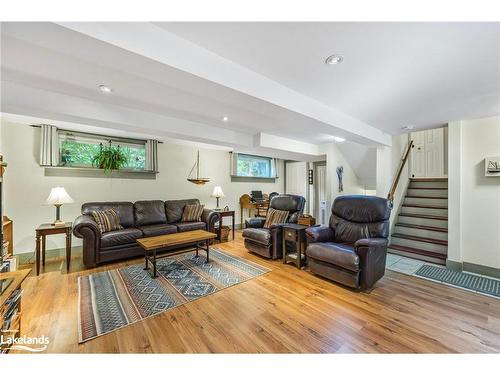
(107, 220)
(275, 217)
(192, 212)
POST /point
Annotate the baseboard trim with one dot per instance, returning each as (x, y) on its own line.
(474, 268)
(27, 258)
(483, 270)
(454, 265)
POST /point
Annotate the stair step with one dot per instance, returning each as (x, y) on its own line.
(429, 244)
(424, 197)
(428, 178)
(421, 239)
(432, 217)
(425, 206)
(427, 193)
(424, 209)
(429, 188)
(424, 200)
(413, 250)
(424, 227)
(428, 184)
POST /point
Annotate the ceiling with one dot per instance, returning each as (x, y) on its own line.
(178, 80)
(393, 74)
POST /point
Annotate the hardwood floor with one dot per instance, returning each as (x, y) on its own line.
(284, 311)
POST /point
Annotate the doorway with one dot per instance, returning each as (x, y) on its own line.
(320, 196)
(428, 153)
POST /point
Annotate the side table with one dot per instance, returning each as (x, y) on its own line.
(222, 213)
(45, 230)
(294, 234)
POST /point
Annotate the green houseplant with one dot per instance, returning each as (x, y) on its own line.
(109, 158)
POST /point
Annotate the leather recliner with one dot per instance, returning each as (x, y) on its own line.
(139, 219)
(352, 250)
(268, 241)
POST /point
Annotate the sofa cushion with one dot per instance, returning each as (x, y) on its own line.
(192, 225)
(192, 212)
(149, 212)
(341, 255)
(158, 229)
(125, 210)
(107, 220)
(260, 235)
(175, 208)
(120, 237)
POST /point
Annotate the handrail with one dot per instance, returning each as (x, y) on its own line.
(390, 196)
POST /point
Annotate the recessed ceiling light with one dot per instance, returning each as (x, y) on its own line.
(334, 59)
(105, 89)
(407, 127)
(338, 139)
(225, 119)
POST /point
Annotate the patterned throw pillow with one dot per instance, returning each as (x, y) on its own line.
(275, 217)
(107, 220)
(192, 212)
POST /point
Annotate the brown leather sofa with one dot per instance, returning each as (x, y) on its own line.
(352, 250)
(268, 241)
(139, 219)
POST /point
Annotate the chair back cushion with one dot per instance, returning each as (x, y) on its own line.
(293, 204)
(275, 217)
(175, 209)
(107, 220)
(359, 216)
(125, 210)
(149, 212)
(192, 212)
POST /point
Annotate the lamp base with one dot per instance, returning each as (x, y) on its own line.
(59, 223)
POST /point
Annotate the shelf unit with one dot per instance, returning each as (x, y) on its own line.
(10, 308)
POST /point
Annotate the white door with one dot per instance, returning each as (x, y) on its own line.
(296, 178)
(427, 155)
(434, 152)
(418, 154)
(320, 196)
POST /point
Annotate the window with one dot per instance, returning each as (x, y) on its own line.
(253, 166)
(78, 150)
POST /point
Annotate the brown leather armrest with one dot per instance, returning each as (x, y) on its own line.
(320, 234)
(371, 242)
(210, 217)
(83, 222)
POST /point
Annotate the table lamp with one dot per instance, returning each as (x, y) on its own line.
(58, 196)
(217, 193)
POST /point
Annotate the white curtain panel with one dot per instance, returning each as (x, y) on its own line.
(152, 155)
(49, 146)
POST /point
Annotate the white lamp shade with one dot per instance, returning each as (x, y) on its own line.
(58, 195)
(217, 193)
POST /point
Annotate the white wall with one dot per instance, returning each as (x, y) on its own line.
(334, 159)
(26, 186)
(474, 199)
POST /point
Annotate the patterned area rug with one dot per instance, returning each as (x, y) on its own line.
(463, 280)
(114, 299)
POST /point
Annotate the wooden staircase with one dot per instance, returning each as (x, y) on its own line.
(421, 229)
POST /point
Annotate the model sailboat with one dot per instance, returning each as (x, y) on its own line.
(197, 180)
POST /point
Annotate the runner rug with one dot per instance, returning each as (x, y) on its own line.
(114, 299)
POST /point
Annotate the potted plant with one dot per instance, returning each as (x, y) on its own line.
(109, 158)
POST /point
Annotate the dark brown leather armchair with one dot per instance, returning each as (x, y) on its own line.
(268, 241)
(352, 250)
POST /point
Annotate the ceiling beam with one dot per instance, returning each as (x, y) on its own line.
(155, 43)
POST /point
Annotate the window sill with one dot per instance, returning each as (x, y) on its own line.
(98, 173)
(253, 179)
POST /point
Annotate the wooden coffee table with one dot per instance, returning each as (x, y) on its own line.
(153, 244)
